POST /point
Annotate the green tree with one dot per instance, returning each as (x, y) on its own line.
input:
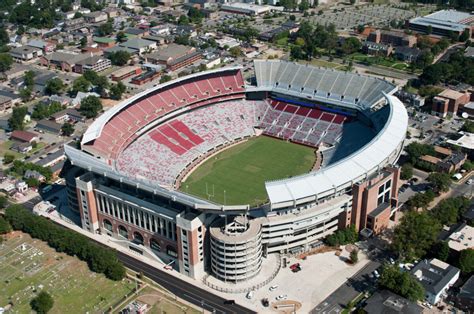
(402, 283)
(165, 78)
(465, 35)
(415, 234)
(468, 165)
(106, 29)
(416, 150)
(42, 303)
(303, 6)
(17, 119)
(119, 57)
(81, 84)
(90, 106)
(440, 182)
(3, 202)
(235, 52)
(440, 250)
(121, 37)
(8, 159)
(67, 129)
(354, 256)
(420, 200)
(54, 86)
(29, 79)
(6, 62)
(406, 172)
(25, 94)
(83, 42)
(4, 226)
(466, 261)
(450, 210)
(351, 45)
(468, 126)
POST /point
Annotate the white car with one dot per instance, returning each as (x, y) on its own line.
(273, 288)
(249, 295)
(376, 274)
(281, 297)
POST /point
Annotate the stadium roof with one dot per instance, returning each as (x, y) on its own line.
(382, 150)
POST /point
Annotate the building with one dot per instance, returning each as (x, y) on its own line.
(64, 61)
(465, 141)
(377, 49)
(446, 160)
(247, 8)
(393, 38)
(45, 46)
(449, 101)
(104, 42)
(136, 32)
(436, 277)
(96, 17)
(469, 52)
(25, 53)
(33, 174)
(174, 56)
(22, 148)
(443, 23)
(139, 46)
(148, 214)
(125, 72)
(374, 202)
(385, 302)
(5, 104)
(92, 63)
(49, 126)
(462, 238)
(68, 115)
(407, 54)
(24, 136)
(464, 299)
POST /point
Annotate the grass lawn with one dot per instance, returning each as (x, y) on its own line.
(161, 303)
(74, 288)
(323, 63)
(242, 170)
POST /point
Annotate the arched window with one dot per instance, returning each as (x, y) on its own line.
(137, 238)
(122, 231)
(107, 224)
(155, 246)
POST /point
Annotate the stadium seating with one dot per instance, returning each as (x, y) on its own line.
(195, 92)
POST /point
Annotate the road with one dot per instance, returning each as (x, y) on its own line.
(358, 283)
(183, 290)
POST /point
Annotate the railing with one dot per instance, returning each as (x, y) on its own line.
(245, 289)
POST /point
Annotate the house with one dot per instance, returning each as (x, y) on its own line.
(139, 45)
(33, 174)
(446, 160)
(64, 61)
(6, 104)
(22, 148)
(52, 159)
(464, 299)
(174, 56)
(92, 63)
(49, 126)
(462, 238)
(68, 115)
(25, 53)
(376, 49)
(24, 136)
(384, 302)
(104, 42)
(8, 99)
(436, 277)
(45, 46)
(21, 186)
(407, 54)
(136, 32)
(96, 17)
(80, 96)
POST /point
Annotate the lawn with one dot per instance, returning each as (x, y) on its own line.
(26, 270)
(323, 63)
(241, 170)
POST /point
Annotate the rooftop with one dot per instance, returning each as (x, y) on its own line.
(434, 274)
(387, 302)
(465, 141)
(137, 43)
(174, 51)
(462, 239)
(450, 94)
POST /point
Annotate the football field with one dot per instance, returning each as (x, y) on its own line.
(237, 174)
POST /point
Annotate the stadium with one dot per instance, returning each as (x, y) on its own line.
(211, 173)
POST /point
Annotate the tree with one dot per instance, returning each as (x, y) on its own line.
(415, 234)
(303, 6)
(119, 57)
(117, 90)
(235, 51)
(54, 86)
(4, 226)
(466, 261)
(17, 119)
(25, 94)
(8, 159)
(468, 126)
(440, 250)
(83, 42)
(6, 62)
(451, 210)
(402, 283)
(165, 78)
(81, 84)
(29, 79)
(351, 45)
(420, 200)
(42, 303)
(3, 202)
(406, 172)
(354, 256)
(67, 129)
(416, 150)
(439, 181)
(465, 35)
(468, 165)
(342, 236)
(90, 106)
(106, 29)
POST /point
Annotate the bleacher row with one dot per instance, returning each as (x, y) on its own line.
(350, 88)
(303, 125)
(121, 129)
(167, 150)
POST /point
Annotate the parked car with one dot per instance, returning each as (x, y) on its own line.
(273, 288)
(249, 295)
(281, 297)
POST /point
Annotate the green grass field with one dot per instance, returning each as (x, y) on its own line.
(242, 170)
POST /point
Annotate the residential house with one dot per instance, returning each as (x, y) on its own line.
(136, 32)
(96, 17)
(104, 42)
(377, 49)
(6, 104)
(25, 53)
(45, 46)
(464, 299)
(138, 45)
(174, 56)
(92, 63)
(33, 174)
(68, 115)
(49, 126)
(407, 54)
(385, 302)
(24, 136)
(64, 61)
(22, 148)
(436, 277)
